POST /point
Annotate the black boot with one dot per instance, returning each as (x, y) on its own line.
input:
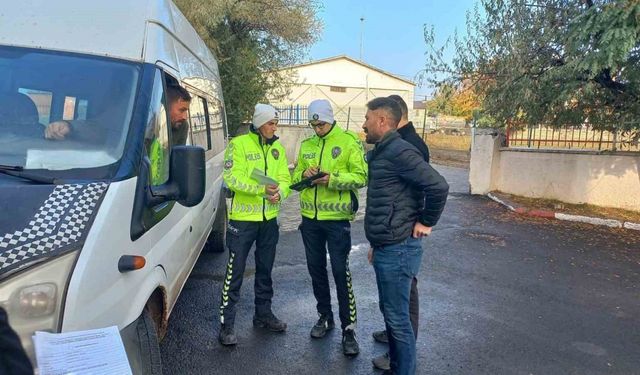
(270, 322)
(324, 324)
(349, 343)
(381, 336)
(382, 362)
(227, 335)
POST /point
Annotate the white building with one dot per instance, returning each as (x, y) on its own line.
(347, 83)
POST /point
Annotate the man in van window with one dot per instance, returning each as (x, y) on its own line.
(252, 217)
(327, 209)
(156, 142)
(179, 100)
(95, 131)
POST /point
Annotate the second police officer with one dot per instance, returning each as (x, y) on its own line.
(327, 207)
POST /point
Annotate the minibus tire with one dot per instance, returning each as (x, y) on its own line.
(148, 344)
(216, 243)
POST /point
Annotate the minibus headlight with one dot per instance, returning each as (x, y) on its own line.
(33, 298)
(36, 301)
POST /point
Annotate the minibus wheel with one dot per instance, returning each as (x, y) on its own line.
(216, 242)
(149, 348)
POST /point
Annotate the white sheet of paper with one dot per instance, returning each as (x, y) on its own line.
(263, 179)
(96, 351)
(67, 159)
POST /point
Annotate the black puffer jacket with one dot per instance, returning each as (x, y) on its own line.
(399, 178)
(13, 359)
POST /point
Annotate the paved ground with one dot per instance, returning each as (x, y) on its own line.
(500, 294)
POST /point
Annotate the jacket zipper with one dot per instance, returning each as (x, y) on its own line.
(315, 198)
(264, 200)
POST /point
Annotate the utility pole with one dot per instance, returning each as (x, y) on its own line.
(361, 36)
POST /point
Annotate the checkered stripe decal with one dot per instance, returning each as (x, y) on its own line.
(61, 221)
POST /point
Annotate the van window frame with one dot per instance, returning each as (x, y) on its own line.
(196, 93)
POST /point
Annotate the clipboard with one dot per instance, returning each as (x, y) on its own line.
(307, 182)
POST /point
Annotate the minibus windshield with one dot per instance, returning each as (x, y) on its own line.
(63, 111)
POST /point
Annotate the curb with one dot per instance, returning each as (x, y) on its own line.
(611, 223)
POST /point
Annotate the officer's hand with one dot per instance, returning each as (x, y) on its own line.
(270, 190)
(322, 180)
(310, 172)
(274, 198)
(421, 230)
(57, 130)
(370, 255)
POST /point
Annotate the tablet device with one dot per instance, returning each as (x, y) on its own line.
(307, 182)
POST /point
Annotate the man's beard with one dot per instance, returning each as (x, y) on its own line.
(370, 138)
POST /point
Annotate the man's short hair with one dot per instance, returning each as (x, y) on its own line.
(387, 105)
(403, 105)
(175, 92)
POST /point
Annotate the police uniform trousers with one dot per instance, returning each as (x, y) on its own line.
(335, 236)
(240, 237)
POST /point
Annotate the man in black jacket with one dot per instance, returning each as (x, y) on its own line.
(405, 198)
(407, 130)
(408, 133)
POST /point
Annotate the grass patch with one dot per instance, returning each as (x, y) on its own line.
(574, 209)
(448, 141)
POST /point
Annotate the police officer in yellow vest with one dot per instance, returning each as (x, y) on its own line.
(252, 217)
(327, 207)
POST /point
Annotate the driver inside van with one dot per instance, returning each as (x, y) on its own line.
(179, 100)
(86, 130)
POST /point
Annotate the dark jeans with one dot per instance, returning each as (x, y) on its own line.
(335, 236)
(414, 307)
(240, 237)
(395, 266)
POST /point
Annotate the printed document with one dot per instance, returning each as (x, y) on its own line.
(97, 351)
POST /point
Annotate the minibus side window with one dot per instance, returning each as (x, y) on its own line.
(217, 126)
(156, 139)
(42, 100)
(199, 123)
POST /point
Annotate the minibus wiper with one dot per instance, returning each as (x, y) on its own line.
(18, 171)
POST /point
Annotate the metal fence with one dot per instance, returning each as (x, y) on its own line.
(571, 137)
(348, 117)
(353, 117)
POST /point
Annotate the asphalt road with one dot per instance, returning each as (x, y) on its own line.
(500, 294)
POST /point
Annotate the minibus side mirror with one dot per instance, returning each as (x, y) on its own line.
(186, 182)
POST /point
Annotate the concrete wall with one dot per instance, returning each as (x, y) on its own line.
(291, 137)
(609, 180)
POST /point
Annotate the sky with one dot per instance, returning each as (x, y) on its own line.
(393, 32)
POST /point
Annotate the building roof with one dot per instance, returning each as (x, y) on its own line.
(345, 57)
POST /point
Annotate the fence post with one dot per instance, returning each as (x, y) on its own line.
(600, 143)
(615, 139)
(508, 135)
(290, 113)
(297, 114)
(348, 117)
(424, 122)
